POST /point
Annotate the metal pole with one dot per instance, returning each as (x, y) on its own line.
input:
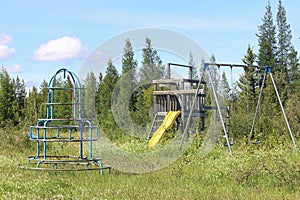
(45, 144)
(247, 95)
(191, 110)
(286, 120)
(220, 113)
(257, 107)
(91, 138)
(232, 108)
(81, 138)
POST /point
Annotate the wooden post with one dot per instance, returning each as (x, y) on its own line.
(155, 101)
(169, 71)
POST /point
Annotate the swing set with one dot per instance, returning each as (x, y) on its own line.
(228, 143)
(268, 71)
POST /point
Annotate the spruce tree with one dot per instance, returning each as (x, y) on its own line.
(129, 64)
(284, 38)
(194, 67)
(19, 100)
(249, 81)
(127, 82)
(267, 56)
(6, 98)
(32, 105)
(226, 91)
(64, 98)
(97, 95)
(42, 99)
(286, 54)
(89, 96)
(152, 67)
(288, 62)
(294, 71)
(124, 103)
(248, 87)
(267, 40)
(106, 88)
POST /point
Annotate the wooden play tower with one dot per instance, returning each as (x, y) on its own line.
(178, 95)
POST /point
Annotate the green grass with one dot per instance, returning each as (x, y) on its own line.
(265, 171)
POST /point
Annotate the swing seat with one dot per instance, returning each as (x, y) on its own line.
(257, 142)
(230, 143)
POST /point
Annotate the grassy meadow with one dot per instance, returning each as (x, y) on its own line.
(270, 170)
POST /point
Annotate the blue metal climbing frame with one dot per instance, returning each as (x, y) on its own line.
(70, 128)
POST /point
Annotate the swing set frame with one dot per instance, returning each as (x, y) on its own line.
(225, 130)
(269, 71)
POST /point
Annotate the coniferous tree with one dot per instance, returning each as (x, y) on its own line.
(294, 71)
(127, 82)
(267, 40)
(248, 87)
(64, 98)
(288, 62)
(284, 37)
(32, 105)
(215, 74)
(6, 98)
(19, 99)
(152, 67)
(225, 88)
(35, 102)
(249, 81)
(213, 71)
(267, 56)
(89, 96)
(129, 64)
(194, 69)
(43, 91)
(105, 92)
(97, 95)
(42, 99)
(276, 50)
(126, 97)
(286, 54)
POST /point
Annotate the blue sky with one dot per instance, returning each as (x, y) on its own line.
(38, 37)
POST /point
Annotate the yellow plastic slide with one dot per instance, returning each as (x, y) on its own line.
(166, 125)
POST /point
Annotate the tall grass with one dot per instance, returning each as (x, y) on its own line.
(265, 171)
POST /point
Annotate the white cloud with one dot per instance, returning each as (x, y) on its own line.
(65, 48)
(5, 39)
(14, 68)
(6, 52)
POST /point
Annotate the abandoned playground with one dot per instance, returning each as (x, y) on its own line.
(178, 103)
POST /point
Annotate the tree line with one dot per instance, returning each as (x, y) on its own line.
(134, 86)
(275, 49)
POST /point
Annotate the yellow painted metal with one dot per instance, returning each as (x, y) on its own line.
(166, 125)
